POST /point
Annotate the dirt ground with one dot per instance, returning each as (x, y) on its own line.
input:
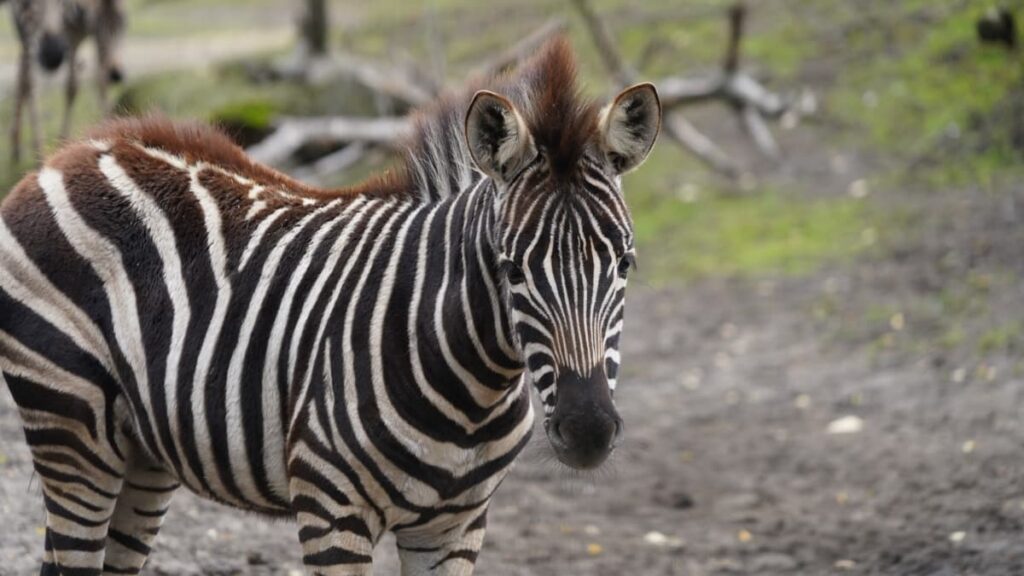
(733, 392)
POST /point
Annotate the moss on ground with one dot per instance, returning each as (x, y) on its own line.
(692, 233)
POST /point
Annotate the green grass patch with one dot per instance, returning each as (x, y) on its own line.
(712, 234)
(917, 83)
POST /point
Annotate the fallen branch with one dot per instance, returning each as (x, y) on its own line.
(678, 128)
(383, 79)
(293, 133)
(333, 163)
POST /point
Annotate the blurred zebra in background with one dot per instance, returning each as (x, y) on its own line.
(51, 32)
(173, 313)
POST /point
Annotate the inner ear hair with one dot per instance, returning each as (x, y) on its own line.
(630, 125)
(498, 138)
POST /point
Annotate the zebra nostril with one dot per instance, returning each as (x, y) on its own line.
(617, 435)
(554, 429)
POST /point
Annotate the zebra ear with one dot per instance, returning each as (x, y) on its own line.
(630, 125)
(498, 139)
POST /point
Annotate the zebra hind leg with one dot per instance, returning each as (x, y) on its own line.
(139, 512)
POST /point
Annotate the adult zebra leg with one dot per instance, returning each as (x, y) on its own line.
(140, 511)
(453, 554)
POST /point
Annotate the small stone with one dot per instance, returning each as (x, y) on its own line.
(211, 533)
(859, 189)
(957, 537)
(688, 193)
(846, 425)
(897, 322)
(692, 380)
(845, 564)
(968, 447)
(803, 402)
(959, 375)
(744, 536)
(839, 164)
(591, 530)
(655, 538)
(594, 549)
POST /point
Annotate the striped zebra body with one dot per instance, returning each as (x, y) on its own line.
(172, 314)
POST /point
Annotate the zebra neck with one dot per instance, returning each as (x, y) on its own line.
(468, 335)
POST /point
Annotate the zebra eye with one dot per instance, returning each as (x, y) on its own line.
(626, 263)
(513, 273)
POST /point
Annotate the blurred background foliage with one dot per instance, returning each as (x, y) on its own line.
(908, 98)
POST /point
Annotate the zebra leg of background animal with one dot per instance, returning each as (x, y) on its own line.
(28, 21)
(70, 88)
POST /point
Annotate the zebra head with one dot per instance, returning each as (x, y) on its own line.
(563, 243)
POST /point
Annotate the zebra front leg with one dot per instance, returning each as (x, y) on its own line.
(452, 554)
(140, 511)
(337, 537)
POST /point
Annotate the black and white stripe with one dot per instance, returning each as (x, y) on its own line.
(353, 359)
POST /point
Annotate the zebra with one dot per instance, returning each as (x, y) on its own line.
(51, 31)
(173, 313)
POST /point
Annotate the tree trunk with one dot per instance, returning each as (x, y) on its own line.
(313, 28)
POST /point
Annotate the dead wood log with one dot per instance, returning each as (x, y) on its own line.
(293, 133)
(334, 163)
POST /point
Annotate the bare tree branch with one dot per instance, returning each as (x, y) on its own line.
(755, 125)
(392, 81)
(333, 163)
(606, 47)
(676, 127)
(293, 133)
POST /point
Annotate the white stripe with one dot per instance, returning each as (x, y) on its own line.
(27, 284)
(162, 234)
(108, 263)
(237, 449)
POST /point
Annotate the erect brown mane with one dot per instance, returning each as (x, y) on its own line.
(544, 90)
(560, 118)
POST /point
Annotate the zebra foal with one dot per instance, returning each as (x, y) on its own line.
(172, 313)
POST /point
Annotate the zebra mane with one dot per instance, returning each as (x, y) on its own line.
(544, 90)
(436, 161)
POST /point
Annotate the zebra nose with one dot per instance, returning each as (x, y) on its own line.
(584, 440)
(116, 76)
